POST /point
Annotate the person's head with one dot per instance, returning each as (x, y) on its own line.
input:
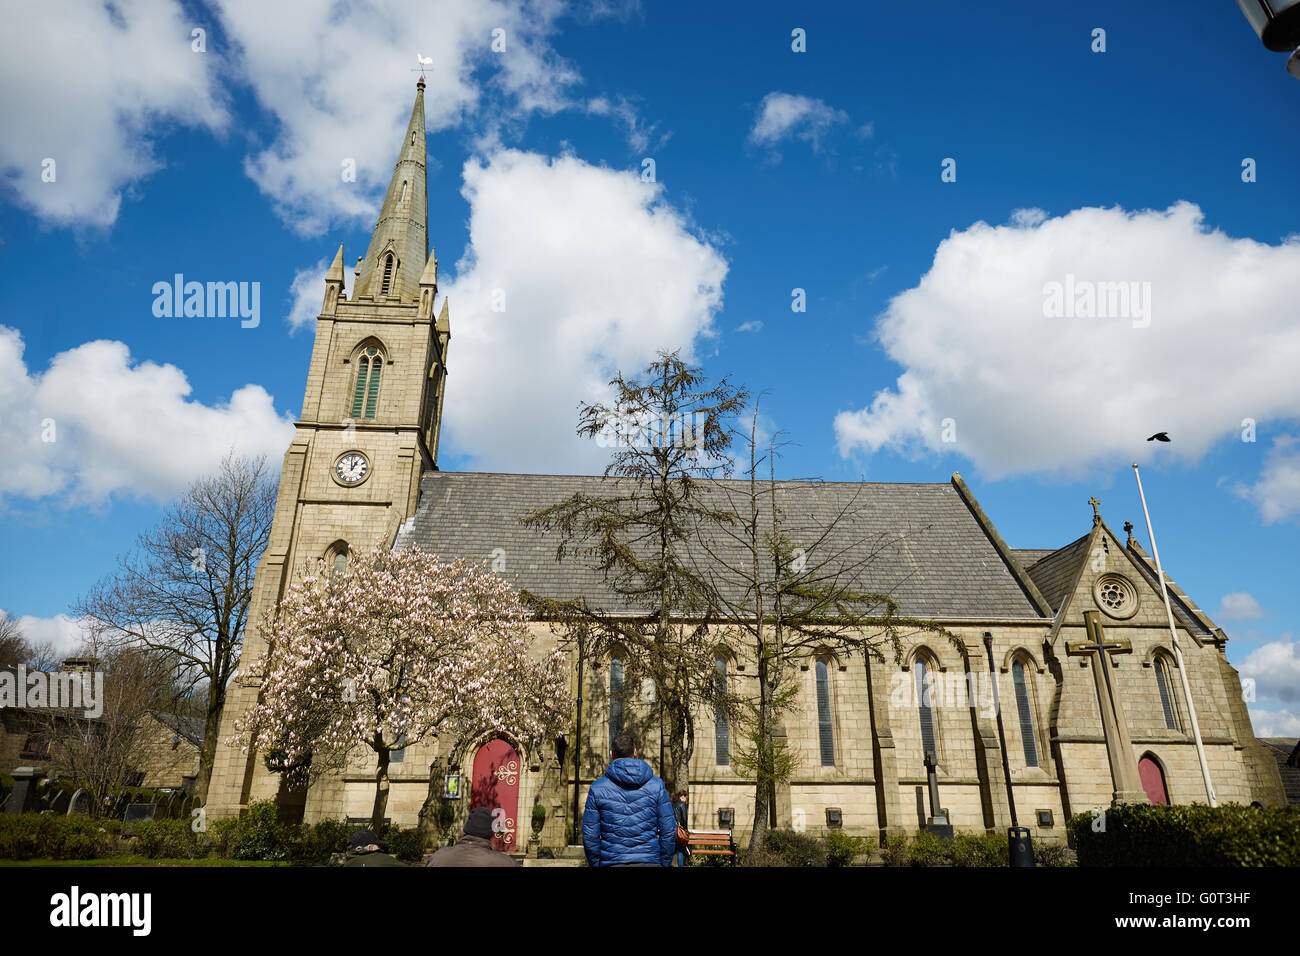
(622, 746)
(680, 795)
(479, 823)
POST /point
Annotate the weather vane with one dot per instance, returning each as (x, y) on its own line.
(423, 61)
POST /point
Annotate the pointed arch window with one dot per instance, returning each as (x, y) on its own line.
(405, 183)
(365, 395)
(1168, 702)
(615, 699)
(1025, 710)
(925, 707)
(336, 558)
(387, 282)
(721, 726)
(825, 719)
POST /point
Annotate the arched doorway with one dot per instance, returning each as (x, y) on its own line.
(495, 784)
(1153, 779)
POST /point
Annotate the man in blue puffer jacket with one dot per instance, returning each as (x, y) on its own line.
(629, 820)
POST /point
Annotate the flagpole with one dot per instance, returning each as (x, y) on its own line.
(1178, 654)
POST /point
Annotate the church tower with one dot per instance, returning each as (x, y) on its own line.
(368, 431)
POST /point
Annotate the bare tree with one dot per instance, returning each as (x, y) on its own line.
(16, 649)
(185, 591)
(103, 752)
(787, 586)
(671, 432)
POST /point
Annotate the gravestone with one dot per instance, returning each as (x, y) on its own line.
(23, 798)
(137, 812)
(80, 802)
(119, 806)
(58, 801)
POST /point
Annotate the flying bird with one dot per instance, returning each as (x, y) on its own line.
(1160, 436)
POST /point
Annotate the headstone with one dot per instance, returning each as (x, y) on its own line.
(59, 801)
(137, 812)
(80, 802)
(23, 799)
(119, 806)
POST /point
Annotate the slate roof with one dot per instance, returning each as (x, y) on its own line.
(1030, 556)
(1054, 572)
(191, 728)
(1286, 750)
(934, 556)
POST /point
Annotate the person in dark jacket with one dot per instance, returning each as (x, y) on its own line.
(629, 820)
(475, 847)
(679, 811)
(366, 849)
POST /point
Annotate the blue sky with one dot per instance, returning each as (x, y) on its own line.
(774, 170)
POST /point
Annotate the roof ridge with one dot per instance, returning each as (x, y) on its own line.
(443, 473)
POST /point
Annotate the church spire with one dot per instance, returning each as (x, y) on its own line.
(399, 247)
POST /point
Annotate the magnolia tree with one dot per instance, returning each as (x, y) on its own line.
(393, 649)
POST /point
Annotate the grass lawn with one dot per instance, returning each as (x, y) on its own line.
(143, 861)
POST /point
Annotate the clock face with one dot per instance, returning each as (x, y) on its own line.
(352, 468)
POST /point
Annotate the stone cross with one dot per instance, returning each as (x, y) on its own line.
(1096, 515)
(1119, 746)
(938, 817)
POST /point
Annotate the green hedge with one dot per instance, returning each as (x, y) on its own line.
(964, 849)
(257, 835)
(26, 836)
(1197, 835)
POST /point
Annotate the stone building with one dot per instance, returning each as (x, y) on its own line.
(167, 750)
(1082, 727)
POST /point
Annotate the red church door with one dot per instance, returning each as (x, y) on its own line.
(495, 784)
(1153, 780)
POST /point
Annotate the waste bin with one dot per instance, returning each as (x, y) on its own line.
(1021, 846)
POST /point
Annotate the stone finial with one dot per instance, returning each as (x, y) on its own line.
(1096, 515)
(1128, 529)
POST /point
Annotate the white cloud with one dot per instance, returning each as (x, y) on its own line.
(1275, 668)
(1239, 606)
(598, 272)
(785, 115)
(637, 130)
(67, 634)
(751, 326)
(1277, 492)
(119, 428)
(87, 85)
(1028, 218)
(1032, 394)
(1275, 723)
(333, 75)
(307, 292)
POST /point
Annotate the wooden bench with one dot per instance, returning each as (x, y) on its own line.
(711, 843)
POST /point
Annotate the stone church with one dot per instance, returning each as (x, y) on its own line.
(1092, 702)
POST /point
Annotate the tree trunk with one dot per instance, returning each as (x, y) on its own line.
(211, 731)
(381, 791)
(764, 770)
(681, 744)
